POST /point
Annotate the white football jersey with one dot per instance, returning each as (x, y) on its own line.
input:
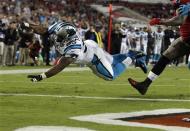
(158, 42)
(144, 36)
(158, 37)
(87, 52)
(138, 40)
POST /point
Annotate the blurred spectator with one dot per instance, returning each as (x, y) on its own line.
(81, 14)
(124, 47)
(27, 12)
(130, 35)
(27, 38)
(2, 38)
(168, 37)
(158, 40)
(90, 34)
(144, 40)
(11, 36)
(34, 49)
(83, 27)
(116, 38)
(46, 49)
(137, 39)
(98, 32)
(150, 46)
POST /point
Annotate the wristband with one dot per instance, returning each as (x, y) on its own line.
(43, 75)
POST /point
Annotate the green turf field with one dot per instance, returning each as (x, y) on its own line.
(22, 111)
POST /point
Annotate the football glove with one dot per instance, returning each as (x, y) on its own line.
(35, 78)
(154, 21)
(184, 10)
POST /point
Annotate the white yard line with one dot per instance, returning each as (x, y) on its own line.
(52, 128)
(25, 71)
(95, 97)
(81, 83)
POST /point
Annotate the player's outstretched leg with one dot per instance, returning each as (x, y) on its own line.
(122, 61)
(141, 62)
(135, 54)
(142, 87)
(140, 59)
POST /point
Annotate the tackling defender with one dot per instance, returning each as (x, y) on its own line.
(68, 43)
(184, 10)
(178, 48)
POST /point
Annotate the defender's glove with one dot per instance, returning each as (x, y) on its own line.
(155, 21)
(184, 10)
(35, 78)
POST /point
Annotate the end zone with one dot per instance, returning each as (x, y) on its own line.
(116, 119)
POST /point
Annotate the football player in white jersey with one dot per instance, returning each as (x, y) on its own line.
(69, 44)
(144, 39)
(130, 38)
(158, 35)
(137, 38)
(124, 48)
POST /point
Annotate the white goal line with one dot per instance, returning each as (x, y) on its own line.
(96, 97)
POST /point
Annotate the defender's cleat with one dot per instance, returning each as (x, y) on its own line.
(140, 62)
(141, 87)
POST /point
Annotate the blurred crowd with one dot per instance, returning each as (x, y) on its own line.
(153, 10)
(21, 46)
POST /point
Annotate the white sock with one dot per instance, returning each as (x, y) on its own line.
(152, 76)
(127, 61)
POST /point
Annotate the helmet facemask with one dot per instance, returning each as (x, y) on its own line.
(62, 37)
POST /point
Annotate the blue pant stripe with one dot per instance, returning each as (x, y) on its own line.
(101, 68)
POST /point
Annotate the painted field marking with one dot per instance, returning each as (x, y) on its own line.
(52, 128)
(25, 71)
(82, 83)
(95, 97)
(113, 119)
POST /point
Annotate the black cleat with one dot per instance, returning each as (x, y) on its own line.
(140, 62)
(135, 54)
(141, 87)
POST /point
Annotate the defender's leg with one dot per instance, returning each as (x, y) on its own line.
(177, 49)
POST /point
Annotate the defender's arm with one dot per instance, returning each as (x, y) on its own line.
(174, 21)
(39, 29)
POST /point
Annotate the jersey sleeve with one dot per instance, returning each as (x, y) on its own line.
(72, 51)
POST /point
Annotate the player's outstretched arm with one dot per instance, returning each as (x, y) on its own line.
(39, 29)
(174, 21)
(62, 63)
